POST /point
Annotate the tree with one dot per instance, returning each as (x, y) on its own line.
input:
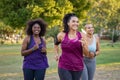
(16, 13)
(5, 32)
(104, 14)
(81, 7)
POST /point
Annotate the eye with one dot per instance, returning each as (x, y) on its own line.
(73, 21)
(89, 27)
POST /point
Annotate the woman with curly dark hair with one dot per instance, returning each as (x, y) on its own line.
(73, 46)
(34, 50)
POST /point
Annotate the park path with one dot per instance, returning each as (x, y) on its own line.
(105, 72)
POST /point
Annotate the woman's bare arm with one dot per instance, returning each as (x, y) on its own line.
(56, 46)
(97, 46)
(24, 50)
(85, 45)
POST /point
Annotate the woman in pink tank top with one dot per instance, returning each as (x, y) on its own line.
(73, 45)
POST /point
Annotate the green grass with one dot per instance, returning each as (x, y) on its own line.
(109, 56)
(109, 53)
(11, 60)
(9, 49)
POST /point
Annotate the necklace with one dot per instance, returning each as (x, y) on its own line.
(72, 36)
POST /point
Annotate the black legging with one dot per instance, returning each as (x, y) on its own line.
(30, 74)
(68, 74)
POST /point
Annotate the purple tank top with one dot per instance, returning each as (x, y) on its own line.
(72, 54)
(37, 59)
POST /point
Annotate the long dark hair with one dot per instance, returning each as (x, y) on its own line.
(66, 19)
(39, 21)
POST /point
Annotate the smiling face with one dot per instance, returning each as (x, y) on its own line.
(36, 29)
(73, 23)
(89, 28)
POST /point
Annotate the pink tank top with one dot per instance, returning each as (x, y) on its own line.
(72, 54)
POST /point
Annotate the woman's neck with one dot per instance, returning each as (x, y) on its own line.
(89, 35)
(36, 36)
(71, 32)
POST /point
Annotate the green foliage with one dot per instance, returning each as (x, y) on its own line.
(53, 31)
(16, 12)
(81, 7)
(5, 29)
(18, 19)
(104, 14)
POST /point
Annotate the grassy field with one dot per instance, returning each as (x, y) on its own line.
(11, 60)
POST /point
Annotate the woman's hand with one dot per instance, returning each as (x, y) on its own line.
(57, 57)
(83, 42)
(35, 47)
(91, 55)
(84, 46)
(43, 49)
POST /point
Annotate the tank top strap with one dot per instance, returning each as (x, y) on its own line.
(79, 35)
(32, 39)
(41, 40)
(30, 42)
(66, 37)
(94, 40)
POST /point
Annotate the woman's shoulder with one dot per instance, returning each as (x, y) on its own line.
(43, 38)
(61, 34)
(27, 38)
(96, 37)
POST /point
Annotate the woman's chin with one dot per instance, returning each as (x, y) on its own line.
(36, 33)
(75, 29)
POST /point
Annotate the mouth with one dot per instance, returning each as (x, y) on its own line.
(75, 27)
(36, 32)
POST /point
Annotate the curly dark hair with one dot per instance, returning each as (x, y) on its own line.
(39, 21)
(66, 19)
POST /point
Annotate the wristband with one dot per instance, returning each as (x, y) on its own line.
(56, 42)
(33, 49)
